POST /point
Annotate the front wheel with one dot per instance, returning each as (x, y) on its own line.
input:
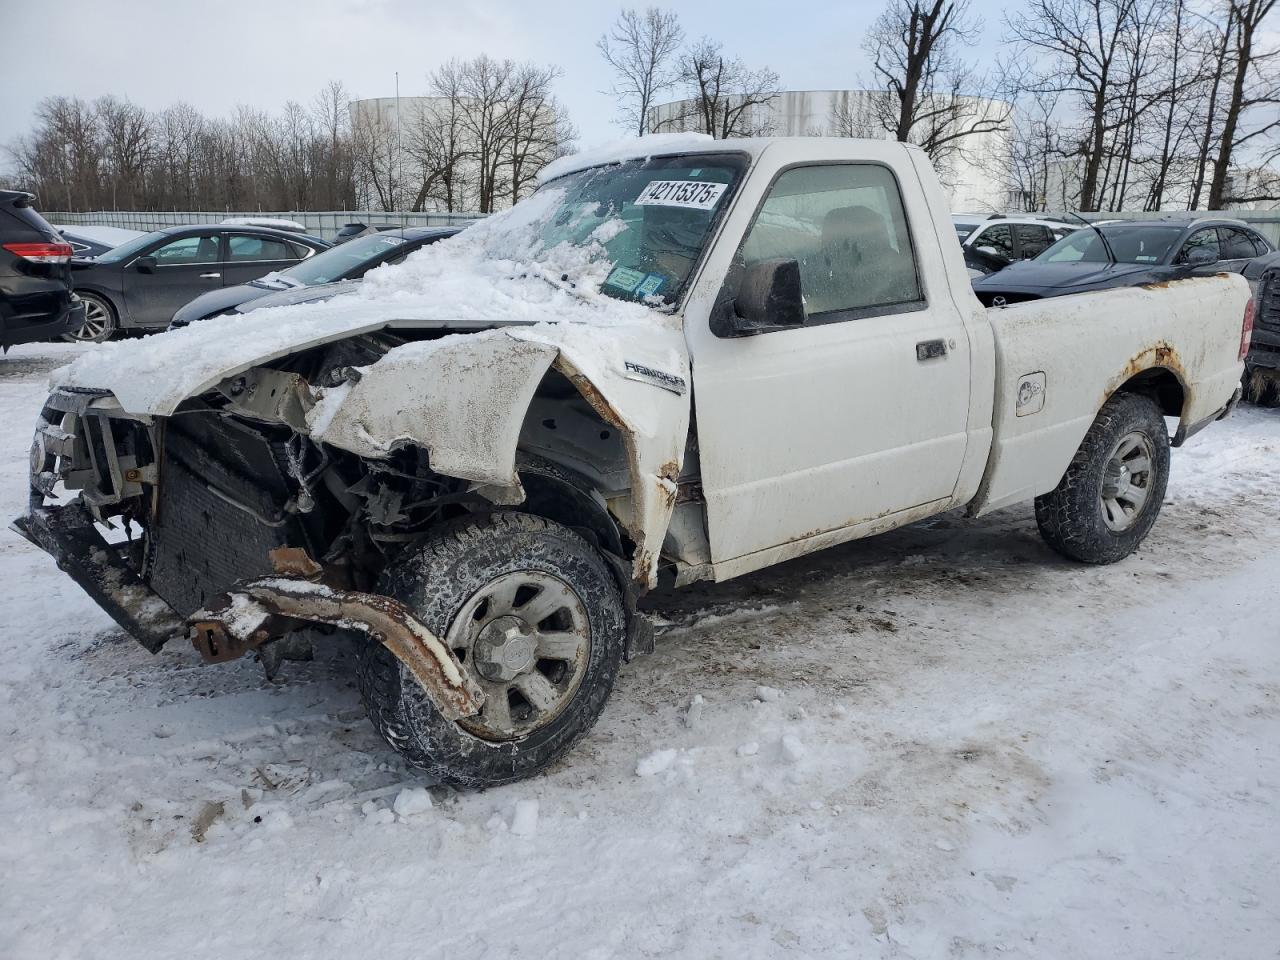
(531, 610)
(99, 321)
(1111, 494)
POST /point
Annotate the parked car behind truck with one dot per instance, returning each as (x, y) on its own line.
(316, 278)
(139, 284)
(479, 462)
(36, 302)
(1130, 252)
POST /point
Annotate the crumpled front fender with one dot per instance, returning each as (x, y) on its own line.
(464, 399)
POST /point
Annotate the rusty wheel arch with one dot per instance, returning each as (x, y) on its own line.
(1161, 384)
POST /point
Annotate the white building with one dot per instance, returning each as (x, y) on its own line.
(972, 174)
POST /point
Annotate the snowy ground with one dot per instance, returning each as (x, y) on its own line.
(945, 742)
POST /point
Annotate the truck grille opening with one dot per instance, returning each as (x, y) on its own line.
(212, 523)
(1268, 303)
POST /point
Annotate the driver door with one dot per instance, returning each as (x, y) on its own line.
(861, 413)
(183, 269)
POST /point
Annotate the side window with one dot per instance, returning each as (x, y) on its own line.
(200, 249)
(846, 226)
(244, 248)
(1236, 244)
(999, 238)
(300, 251)
(1201, 238)
(1034, 239)
(1260, 246)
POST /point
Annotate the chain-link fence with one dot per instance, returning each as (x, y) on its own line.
(327, 223)
(322, 223)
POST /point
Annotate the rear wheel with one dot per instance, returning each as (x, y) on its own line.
(99, 321)
(1111, 494)
(533, 614)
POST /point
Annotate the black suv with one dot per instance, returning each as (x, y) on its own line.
(36, 302)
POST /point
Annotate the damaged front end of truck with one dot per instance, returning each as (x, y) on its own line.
(474, 467)
(277, 498)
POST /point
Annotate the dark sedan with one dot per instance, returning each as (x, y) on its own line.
(139, 285)
(348, 261)
(1126, 254)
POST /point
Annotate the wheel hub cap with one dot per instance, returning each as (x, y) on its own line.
(504, 649)
(525, 637)
(1126, 482)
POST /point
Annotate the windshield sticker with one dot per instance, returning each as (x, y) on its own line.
(624, 278)
(650, 285)
(681, 193)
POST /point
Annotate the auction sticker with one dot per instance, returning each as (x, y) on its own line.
(650, 285)
(624, 278)
(681, 193)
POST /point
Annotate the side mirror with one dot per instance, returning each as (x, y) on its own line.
(1200, 256)
(145, 264)
(994, 254)
(768, 299)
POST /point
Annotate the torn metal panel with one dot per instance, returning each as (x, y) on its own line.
(464, 399)
(461, 397)
(257, 611)
(67, 533)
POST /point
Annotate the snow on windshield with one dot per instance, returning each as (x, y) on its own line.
(528, 265)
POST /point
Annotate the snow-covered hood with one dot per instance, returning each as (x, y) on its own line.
(456, 285)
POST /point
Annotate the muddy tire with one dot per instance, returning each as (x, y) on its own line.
(537, 619)
(1111, 493)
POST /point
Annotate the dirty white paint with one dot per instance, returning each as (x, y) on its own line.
(1086, 346)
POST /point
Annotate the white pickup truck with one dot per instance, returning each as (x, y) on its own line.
(685, 359)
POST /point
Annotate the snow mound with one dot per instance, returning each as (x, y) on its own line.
(633, 148)
(655, 763)
(274, 223)
(411, 801)
(525, 821)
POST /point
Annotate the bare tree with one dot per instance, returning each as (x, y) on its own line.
(726, 97)
(374, 152)
(1253, 92)
(930, 96)
(1080, 46)
(128, 143)
(1033, 172)
(641, 49)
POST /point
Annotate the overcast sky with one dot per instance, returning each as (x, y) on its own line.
(215, 55)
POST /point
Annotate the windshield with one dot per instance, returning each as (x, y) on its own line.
(337, 262)
(964, 229)
(130, 248)
(643, 223)
(1130, 242)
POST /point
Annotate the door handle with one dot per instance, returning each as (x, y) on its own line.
(210, 276)
(930, 349)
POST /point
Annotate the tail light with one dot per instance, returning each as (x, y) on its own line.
(41, 252)
(1246, 329)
